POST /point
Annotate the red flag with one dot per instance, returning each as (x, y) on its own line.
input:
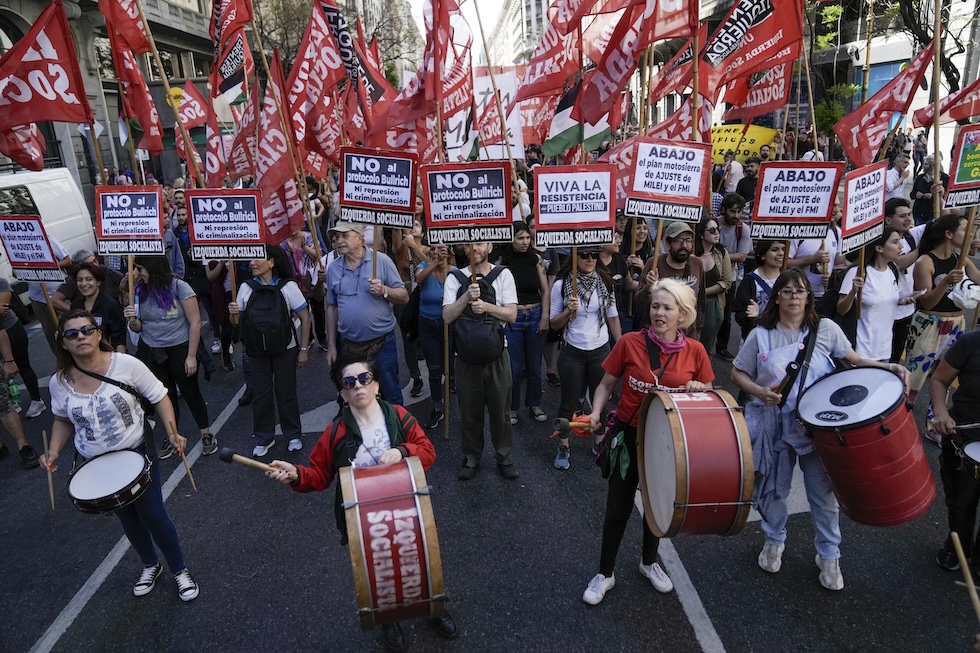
(679, 125)
(765, 96)
(862, 131)
(192, 110)
(323, 135)
(182, 153)
(961, 105)
(140, 102)
(488, 124)
(317, 69)
(39, 76)
(24, 145)
(227, 18)
(596, 37)
(376, 49)
(677, 73)
(568, 14)
(230, 71)
(354, 124)
(551, 64)
(124, 17)
(241, 160)
(282, 212)
(272, 165)
(619, 110)
(216, 168)
(622, 157)
(749, 39)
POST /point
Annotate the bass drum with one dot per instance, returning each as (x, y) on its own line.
(695, 463)
(394, 548)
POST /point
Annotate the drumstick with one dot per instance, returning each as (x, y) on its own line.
(44, 438)
(173, 427)
(229, 456)
(967, 574)
(790, 369)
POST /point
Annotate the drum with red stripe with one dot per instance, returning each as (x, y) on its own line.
(394, 548)
(695, 463)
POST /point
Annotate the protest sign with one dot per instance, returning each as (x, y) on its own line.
(864, 206)
(129, 221)
(964, 178)
(225, 224)
(671, 180)
(28, 249)
(378, 187)
(468, 202)
(794, 199)
(575, 205)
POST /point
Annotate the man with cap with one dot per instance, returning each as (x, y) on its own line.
(733, 172)
(677, 263)
(360, 318)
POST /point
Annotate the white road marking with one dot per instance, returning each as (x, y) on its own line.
(78, 602)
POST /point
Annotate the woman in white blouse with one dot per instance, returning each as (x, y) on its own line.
(590, 323)
(102, 417)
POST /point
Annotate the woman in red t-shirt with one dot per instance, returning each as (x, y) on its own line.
(683, 363)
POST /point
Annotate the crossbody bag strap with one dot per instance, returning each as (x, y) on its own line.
(801, 364)
(119, 384)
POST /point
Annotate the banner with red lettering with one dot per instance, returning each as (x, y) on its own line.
(551, 64)
(961, 105)
(272, 165)
(862, 131)
(863, 218)
(124, 17)
(39, 76)
(24, 145)
(794, 199)
(769, 93)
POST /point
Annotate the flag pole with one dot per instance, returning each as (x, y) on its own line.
(809, 90)
(937, 57)
(867, 52)
(98, 154)
(171, 100)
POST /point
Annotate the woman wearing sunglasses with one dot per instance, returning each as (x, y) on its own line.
(102, 416)
(589, 318)
(778, 439)
(719, 275)
(368, 431)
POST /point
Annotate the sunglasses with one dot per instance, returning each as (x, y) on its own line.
(588, 255)
(87, 330)
(712, 230)
(364, 378)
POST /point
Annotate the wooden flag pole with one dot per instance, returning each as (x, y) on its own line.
(103, 173)
(813, 113)
(866, 69)
(937, 58)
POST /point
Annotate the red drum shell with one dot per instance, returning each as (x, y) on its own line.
(700, 437)
(393, 543)
(880, 479)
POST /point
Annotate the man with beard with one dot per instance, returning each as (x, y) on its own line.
(735, 237)
(924, 188)
(746, 187)
(676, 263)
(764, 151)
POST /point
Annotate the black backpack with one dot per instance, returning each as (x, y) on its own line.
(267, 326)
(479, 338)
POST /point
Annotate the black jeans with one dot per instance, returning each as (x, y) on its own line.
(318, 311)
(431, 341)
(279, 373)
(961, 484)
(578, 367)
(619, 507)
(900, 332)
(409, 346)
(725, 330)
(19, 345)
(167, 364)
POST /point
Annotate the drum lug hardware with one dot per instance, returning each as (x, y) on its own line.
(883, 426)
(841, 439)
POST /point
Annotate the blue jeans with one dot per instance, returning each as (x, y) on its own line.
(146, 521)
(431, 340)
(823, 509)
(387, 361)
(525, 344)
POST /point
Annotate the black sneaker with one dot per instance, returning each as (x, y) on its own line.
(209, 444)
(246, 398)
(28, 457)
(452, 386)
(4, 451)
(724, 354)
(435, 417)
(417, 386)
(947, 559)
(228, 364)
(148, 578)
(553, 380)
(394, 638)
(166, 450)
(322, 344)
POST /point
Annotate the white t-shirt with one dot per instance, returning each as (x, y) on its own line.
(110, 419)
(907, 285)
(879, 302)
(375, 441)
(809, 247)
(294, 300)
(892, 186)
(585, 331)
(735, 176)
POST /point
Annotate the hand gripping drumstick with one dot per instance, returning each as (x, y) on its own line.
(173, 427)
(229, 456)
(967, 574)
(563, 427)
(44, 437)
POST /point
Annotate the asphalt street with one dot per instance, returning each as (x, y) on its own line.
(517, 556)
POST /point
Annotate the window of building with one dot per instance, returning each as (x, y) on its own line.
(881, 74)
(8, 35)
(202, 66)
(103, 53)
(173, 67)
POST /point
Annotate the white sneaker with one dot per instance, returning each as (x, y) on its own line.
(216, 346)
(262, 449)
(830, 574)
(597, 589)
(771, 558)
(295, 444)
(187, 589)
(231, 349)
(658, 577)
(35, 409)
(17, 408)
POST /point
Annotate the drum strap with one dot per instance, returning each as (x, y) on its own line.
(802, 364)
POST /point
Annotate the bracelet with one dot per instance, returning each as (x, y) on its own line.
(304, 348)
(10, 361)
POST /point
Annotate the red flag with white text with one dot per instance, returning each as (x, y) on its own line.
(138, 96)
(193, 109)
(552, 63)
(272, 165)
(215, 168)
(317, 70)
(960, 105)
(24, 145)
(124, 17)
(241, 159)
(769, 93)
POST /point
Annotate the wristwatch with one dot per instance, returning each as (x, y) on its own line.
(384, 295)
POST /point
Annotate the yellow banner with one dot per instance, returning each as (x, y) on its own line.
(726, 137)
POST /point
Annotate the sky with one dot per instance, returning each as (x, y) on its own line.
(488, 12)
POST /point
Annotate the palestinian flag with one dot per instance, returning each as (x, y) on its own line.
(565, 132)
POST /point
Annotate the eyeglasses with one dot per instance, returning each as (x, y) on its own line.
(712, 230)
(683, 241)
(87, 330)
(364, 378)
(793, 293)
(588, 255)
(351, 292)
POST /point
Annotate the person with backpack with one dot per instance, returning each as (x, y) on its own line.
(477, 300)
(755, 291)
(275, 326)
(367, 432)
(167, 317)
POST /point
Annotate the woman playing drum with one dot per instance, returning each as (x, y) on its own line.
(103, 417)
(369, 431)
(683, 363)
(778, 440)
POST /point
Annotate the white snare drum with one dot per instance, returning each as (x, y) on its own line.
(110, 481)
(972, 451)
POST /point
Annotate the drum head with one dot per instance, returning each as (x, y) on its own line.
(849, 398)
(972, 451)
(659, 463)
(106, 475)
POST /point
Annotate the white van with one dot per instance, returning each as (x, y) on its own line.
(54, 195)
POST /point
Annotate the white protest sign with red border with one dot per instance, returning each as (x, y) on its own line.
(378, 187)
(129, 221)
(28, 249)
(863, 218)
(225, 224)
(964, 175)
(794, 199)
(575, 205)
(670, 180)
(468, 202)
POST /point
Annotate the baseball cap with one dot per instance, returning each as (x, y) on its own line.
(348, 226)
(675, 229)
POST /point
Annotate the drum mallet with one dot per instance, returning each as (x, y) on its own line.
(229, 456)
(187, 467)
(967, 574)
(791, 371)
(563, 427)
(44, 438)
